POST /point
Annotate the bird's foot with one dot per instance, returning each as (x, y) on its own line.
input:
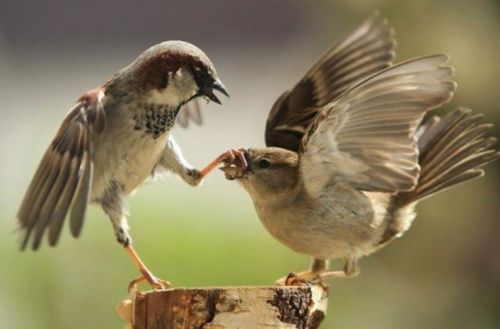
(318, 274)
(154, 282)
(228, 158)
(306, 278)
(147, 276)
(234, 157)
(235, 164)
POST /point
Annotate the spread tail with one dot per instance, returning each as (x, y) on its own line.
(452, 150)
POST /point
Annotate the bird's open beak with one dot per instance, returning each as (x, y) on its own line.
(216, 85)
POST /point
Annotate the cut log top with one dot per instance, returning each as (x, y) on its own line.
(302, 307)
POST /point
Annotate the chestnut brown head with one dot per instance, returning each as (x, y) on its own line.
(174, 72)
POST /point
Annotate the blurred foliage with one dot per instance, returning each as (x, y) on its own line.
(445, 272)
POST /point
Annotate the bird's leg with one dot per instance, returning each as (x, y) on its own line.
(313, 275)
(124, 239)
(232, 156)
(146, 273)
(318, 273)
(351, 270)
(173, 160)
(113, 206)
(319, 265)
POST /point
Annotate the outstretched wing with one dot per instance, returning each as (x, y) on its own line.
(63, 178)
(367, 50)
(190, 112)
(367, 137)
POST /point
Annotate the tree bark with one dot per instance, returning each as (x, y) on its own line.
(270, 307)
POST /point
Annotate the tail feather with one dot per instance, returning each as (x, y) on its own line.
(451, 151)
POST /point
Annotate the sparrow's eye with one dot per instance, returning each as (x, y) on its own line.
(264, 163)
(201, 76)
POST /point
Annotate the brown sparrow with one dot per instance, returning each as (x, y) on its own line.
(114, 138)
(347, 160)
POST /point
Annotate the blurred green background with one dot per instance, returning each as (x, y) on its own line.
(445, 272)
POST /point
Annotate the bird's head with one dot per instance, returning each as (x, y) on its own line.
(269, 174)
(172, 73)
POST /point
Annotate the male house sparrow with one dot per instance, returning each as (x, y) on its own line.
(113, 139)
(346, 162)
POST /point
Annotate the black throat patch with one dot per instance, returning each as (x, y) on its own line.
(155, 119)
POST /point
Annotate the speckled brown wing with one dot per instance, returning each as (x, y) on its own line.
(367, 137)
(367, 50)
(62, 181)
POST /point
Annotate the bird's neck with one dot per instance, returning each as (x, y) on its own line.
(267, 199)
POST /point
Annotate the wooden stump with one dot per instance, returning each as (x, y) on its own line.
(302, 307)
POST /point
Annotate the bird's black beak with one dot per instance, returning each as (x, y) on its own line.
(216, 85)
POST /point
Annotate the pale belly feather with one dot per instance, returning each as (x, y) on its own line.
(124, 157)
(343, 224)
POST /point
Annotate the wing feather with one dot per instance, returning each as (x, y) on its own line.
(63, 178)
(367, 136)
(82, 195)
(63, 203)
(367, 50)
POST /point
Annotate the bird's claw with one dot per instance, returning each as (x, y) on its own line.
(235, 163)
(231, 157)
(294, 279)
(234, 157)
(154, 282)
(306, 278)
